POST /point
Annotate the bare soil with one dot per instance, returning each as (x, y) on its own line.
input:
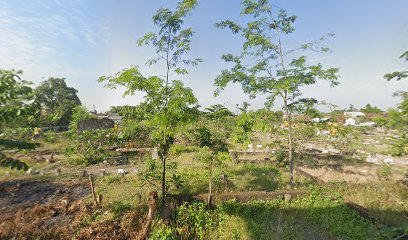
(33, 209)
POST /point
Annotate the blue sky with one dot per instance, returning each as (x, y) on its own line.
(82, 40)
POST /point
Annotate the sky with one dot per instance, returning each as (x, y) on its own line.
(82, 40)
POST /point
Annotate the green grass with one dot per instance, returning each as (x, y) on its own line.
(322, 215)
(317, 216)
(385, 200)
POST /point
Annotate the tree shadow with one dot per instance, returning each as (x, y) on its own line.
(258, 177)
(18, 144)
(266, 220)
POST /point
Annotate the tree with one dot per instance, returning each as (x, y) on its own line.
(217, 111)
(371, 109)
(138, 113)
(398, 75)
(271, 73)
(211, 144)
(171, 102)
(15, 102)
(352, 108)
(56, 100)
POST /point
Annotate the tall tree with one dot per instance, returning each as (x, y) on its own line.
(56, 100)
(265, 66)
(171, 102)
(398, 75)
(371, 109)
(217, 111)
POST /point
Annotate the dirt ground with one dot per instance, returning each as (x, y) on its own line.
(39, 208)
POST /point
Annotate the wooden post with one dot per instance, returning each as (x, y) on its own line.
(100, 199)
(93, 189)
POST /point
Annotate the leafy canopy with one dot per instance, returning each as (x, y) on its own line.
(57, 100)
(261, 66)
(169, 101)
(15, 96)
(398, 75)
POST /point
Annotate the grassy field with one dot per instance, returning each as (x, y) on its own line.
(320, 214)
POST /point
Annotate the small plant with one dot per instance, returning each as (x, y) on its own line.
(152, 174)
(385, 171)
(281, 156)
(399, 146)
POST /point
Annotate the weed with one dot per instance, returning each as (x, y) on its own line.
(385, 171)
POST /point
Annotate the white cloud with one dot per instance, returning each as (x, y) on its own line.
(35, 32)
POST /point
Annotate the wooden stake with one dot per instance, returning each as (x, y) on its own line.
(93, 189)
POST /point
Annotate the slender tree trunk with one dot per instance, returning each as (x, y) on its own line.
(165, 136)
(290, 154)
(210, 183)
(288, 113)
(163, 181)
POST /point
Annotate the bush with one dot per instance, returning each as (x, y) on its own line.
(136, 132)
(90, 146)
(78, 113)
(193, 221)
(399, 146)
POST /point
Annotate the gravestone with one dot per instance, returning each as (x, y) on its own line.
(155, 154)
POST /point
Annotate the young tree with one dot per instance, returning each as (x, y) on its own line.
(57, 100)
(171, 102)
(217, 111)
(263, 66)
(211, 144)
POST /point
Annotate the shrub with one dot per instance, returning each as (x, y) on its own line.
(90, 146)
(193, 221)
(399, 146)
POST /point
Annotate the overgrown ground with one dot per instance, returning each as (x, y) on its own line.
(320, 214)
